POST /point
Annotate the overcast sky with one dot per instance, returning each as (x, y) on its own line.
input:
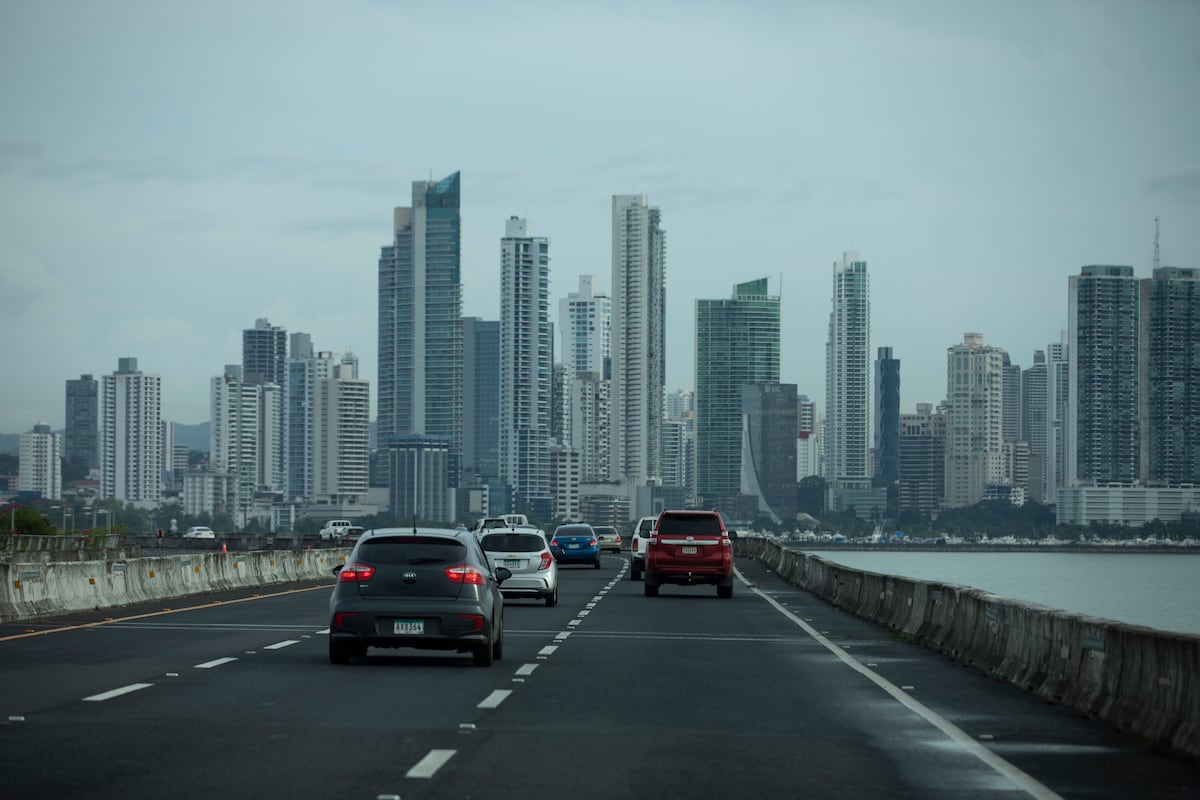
(171, 172)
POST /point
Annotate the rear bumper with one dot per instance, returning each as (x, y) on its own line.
(683, 576)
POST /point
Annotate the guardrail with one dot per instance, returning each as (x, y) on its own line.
(1141, 680)
(39, 589)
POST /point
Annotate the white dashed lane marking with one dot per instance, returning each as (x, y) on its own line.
(216, 662)
(428, 766)
(281, 645)
(133, 687)
(527, 669)
(495, 698)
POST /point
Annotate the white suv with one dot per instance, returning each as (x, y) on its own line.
(637, 546)
(335, 529)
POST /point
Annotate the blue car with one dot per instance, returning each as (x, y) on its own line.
(576, 543)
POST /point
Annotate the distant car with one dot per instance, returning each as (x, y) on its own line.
(351, 535)
(579, 544)
(609, 538)
(335, 529)
(427, 588)
(199, 532)
(526, 553)
(637, 546)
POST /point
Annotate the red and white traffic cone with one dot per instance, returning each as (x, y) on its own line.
(224, 549)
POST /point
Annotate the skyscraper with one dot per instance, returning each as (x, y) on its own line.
(341, 432)
(304, 368)
(40, 466)
(481, 398)
(887, 415)
(81, 446)
(420, 320)
(922, 468)
(737, 343)
(264, 354)
(770, 422)
(974, 420)
(1103, 432)
(638, 341)
(1058, 382)
(1170, 376)
(848, 381)
(525, 361)
(1033, 423)
(131, 431)
(234, 436)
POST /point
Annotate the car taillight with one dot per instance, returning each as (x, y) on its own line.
(466, 574)
(725, 542)
(591, 543)
(339, 620)
(356, 573)
(546, 560)
(475, 619)
(554, 543)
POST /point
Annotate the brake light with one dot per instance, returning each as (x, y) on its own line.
(554, 543)
(466, 574)
(339, 619)
(546, 560)
(591, 543)
(356, 573)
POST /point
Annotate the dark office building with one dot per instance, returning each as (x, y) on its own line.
(887, 415)
(81, 445)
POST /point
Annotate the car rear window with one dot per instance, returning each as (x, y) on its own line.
(411, 550)
(689, 524)
(574, 530)
(606, 531)
(513, 543)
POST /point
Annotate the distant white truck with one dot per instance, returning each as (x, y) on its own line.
(335, 530)
(637, 546)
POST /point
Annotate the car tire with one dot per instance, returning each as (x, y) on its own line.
(651, 589)
(596, 563)
(498, 645)
(635, 574)
(484, 654)
(725, 591)
(338, 653)
(552, 598)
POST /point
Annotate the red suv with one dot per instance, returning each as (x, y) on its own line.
(689, 547)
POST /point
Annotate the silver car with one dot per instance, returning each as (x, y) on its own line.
(608, 537)
(525, 552)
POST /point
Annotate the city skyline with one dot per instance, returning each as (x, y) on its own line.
(161, 197)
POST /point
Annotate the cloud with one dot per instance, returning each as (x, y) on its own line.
(1180, 186)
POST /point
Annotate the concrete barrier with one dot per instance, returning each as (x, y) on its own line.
(40, 589)
(1141, 680)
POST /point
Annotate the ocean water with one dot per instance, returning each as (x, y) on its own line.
(1157, 591)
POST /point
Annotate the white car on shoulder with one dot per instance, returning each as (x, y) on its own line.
(335, 530)
(199, 532)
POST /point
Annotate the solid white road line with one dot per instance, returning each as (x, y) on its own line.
(281, 645)
(430, 764)
(495, 698)
(216, 662)
(1018, 777)
(133, 687)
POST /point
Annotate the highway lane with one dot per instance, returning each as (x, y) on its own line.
(609, 694)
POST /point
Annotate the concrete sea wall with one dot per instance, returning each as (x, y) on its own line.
(38, 589)
(1141, 680)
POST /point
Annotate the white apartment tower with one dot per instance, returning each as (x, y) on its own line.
(848, 372)
(638, 341)
(234, 437)
(341, 437)
(40, 469)
(974, 420)
(525, 361)
(131, 434)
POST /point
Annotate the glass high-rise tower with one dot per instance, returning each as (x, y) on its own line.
(420, 320)
(737, 343)
(848, 375)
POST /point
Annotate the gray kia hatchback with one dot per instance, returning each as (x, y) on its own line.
(427, 588)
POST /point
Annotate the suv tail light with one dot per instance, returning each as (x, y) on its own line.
(547, 560)
(466, 574)
(356, 573)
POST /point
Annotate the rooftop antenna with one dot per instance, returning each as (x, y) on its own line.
(1156, 242)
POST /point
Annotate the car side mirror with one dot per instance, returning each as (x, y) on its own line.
(732, 534)
(503, 574)
(338, 568)
(556, 551)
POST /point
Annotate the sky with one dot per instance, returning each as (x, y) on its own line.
(172, 172)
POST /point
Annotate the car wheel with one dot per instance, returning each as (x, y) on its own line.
(552, 598)
(596, 563)
(635, 574)
(725, 591)
(482, 654)
(338, 653)
(498, 646)
(651, 589)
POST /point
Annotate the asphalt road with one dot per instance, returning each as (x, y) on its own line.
(773, 694)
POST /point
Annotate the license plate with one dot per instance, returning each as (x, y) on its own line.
(512, 562)
(688, 550)
(408, 627)
(574, 546)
